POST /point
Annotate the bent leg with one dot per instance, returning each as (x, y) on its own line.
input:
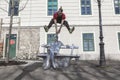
(68, 27)
(50, 24)
(65, 23)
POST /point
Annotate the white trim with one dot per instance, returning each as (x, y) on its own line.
(113, 7)
(117, 41)
(79, 3)
(45, 38)
(46, 8)
(92, 8)
(17, 42)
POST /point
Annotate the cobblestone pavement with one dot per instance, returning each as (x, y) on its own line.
(82, 70)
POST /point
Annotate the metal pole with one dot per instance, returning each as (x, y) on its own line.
(10, 30)
(102, 61)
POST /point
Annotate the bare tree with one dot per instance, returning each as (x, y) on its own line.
(12, 4)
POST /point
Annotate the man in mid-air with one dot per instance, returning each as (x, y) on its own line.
(59, 17)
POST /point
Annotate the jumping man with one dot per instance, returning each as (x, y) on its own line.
(59, 17)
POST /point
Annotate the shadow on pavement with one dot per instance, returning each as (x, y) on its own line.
(13, 62)
(26, 70)
(90, 71)
(83, 70)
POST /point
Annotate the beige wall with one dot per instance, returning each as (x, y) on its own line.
(31, 40)
(35, 12)
(27, 42)
(34, 16)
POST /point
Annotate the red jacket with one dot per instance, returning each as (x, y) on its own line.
(55, 16)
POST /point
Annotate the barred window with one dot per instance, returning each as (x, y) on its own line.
(86, 7)
(117, 6)
(50, 38)
(52, 7)
(119, 39)
(88, 42)
(15, 7)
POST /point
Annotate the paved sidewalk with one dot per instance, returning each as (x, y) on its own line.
(83, 70)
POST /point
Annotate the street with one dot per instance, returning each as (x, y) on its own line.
(82, 70)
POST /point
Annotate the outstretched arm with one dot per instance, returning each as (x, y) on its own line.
(55, 25)
(60, 26)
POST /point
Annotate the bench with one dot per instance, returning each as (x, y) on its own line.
(60, 57)
(44, 55)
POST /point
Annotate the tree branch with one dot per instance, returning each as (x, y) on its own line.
(4, 10)
(24, 6)
(6, 1)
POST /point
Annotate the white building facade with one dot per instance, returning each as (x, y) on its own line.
(82, 14)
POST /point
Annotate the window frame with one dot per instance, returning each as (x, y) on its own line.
(52, 35)
(88, 41)
(16, 8)
(85, 8)
(52, 10)
(119, 39)
(118, 4)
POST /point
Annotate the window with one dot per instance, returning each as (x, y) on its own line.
(86, 7)
(119, 39)
(52, 7)
(16, 7)
(88, 42)
(117, 6)
(50, 38)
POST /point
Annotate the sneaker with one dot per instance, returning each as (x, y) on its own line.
(71, 30)
(46, 28)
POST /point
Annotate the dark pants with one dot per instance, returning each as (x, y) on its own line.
(65, 23)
